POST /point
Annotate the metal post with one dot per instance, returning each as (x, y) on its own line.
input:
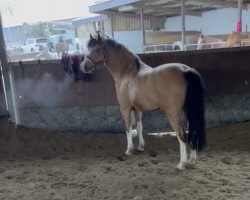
(239, 22)
(142, 28)
(7, 79)
(10, 36)
(183, 32)
(112, 25)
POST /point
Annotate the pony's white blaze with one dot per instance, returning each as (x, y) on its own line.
(140, 87)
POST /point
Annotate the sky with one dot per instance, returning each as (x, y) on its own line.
(16, 12)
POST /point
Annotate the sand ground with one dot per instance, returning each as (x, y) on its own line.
(42, 165)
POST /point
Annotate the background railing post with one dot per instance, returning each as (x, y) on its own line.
(8, 80)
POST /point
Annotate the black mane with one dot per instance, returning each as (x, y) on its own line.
(92, 42)
(137, 63)
(110, 42)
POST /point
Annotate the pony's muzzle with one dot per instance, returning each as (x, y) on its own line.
(87, 66)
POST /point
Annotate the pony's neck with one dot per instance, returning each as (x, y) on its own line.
(120, 62)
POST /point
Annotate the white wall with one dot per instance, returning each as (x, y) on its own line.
(130, 39)
(222, 21)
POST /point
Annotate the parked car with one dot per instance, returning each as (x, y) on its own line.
(35, 44)
(14, 50)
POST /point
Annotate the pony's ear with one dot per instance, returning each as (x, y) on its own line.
(90, 36)
(99, 38)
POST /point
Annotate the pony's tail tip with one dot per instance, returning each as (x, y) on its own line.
(198, 144)
(201, 147)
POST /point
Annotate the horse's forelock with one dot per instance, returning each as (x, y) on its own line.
(107, 41)
(92, 42)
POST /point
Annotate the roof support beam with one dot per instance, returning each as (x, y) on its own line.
(137, 16)
(173, 11)
(142, 28)
(183, 27)
(218, 3)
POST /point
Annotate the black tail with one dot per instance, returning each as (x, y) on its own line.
(195, 110)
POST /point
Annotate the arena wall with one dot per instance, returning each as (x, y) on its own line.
(48, 99)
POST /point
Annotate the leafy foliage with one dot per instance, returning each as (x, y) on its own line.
(40, 29)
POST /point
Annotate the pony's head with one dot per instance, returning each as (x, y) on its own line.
(96, 55)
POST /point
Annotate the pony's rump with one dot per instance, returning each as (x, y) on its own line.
(195, 110)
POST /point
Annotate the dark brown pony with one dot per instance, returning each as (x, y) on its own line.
(172, 87)
(70, 64)
(63, 47)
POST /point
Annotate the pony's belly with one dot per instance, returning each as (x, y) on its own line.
(144, 107)
(144, 98)
(145, 103)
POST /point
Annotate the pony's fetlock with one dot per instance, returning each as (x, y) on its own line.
(191, 161)
(181, 165)
(129, 151)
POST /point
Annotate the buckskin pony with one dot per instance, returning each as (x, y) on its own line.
(172, 87)
(63, 47)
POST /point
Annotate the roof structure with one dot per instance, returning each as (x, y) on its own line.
(162, 8)
(79, 21)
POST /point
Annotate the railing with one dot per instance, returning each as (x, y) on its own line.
(169, 47)
(158, 48)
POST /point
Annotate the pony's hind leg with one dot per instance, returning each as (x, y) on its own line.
(192, 157)
(138, 117)
(175, 121)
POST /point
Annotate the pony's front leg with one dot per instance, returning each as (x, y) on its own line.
(138, 117)
(130, 145)
(126, 113)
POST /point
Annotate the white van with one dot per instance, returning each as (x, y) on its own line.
(35, 45)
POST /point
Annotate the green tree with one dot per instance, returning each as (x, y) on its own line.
(40, 29)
